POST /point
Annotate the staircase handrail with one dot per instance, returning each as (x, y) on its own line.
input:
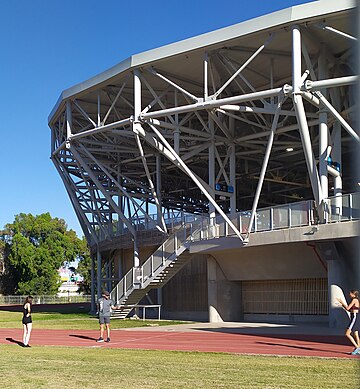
(136, 276)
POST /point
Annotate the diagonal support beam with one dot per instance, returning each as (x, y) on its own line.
(151, 184)
(102, 190)
(265, 164)
(184, 167)
(246, 63)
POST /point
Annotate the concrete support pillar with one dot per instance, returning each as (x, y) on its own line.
(224, 296)
(336, 286)
(338, 282)
(214, 316)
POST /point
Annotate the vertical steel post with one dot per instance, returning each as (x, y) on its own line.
(136, 125)
(301, 116)
(177, 130)
(323, 129)
(336, 141)
(232, 168)
(158, 187)
(98, 257)
(68, 119)
(212, 173)
(92, 285)
(99, 110)
(206, 66)
(264, 167)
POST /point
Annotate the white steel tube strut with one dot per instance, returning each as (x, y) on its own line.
(215, 103)
(197, 182)
(323, 129)
(301, 116)
(264, 166)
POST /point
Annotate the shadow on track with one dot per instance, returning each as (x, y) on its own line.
(12, 340)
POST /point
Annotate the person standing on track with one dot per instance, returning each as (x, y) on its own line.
(105, 305)
(352, 330)
(27, 320)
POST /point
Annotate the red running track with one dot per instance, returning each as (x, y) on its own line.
(205, 341)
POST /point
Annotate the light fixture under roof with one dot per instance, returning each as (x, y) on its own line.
(288, 149)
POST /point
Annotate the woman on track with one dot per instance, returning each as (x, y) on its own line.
(352, 330)
(27, 320)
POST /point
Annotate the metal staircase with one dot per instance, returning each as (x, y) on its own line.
(163, 264)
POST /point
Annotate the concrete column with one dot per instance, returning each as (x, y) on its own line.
(214, 316)
(337, 283)
(336, 286)
(224, 296)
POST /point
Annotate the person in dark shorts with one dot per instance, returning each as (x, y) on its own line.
(105, 305)
(353, 328)
(27, 320)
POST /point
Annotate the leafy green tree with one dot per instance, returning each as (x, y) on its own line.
(35, 248)
(84, 268)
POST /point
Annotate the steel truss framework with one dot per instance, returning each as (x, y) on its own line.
(262, 119)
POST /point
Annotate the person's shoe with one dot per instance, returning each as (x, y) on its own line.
(100, 340)
(108, 340)
(27, 345)
(356, 351)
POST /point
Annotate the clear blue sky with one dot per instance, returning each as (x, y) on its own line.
(47, 46)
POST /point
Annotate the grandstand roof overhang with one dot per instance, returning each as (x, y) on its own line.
(313, 12)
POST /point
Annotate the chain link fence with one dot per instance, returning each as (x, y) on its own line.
(18, 300)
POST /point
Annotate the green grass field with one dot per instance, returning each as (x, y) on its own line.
(80, 367)
(62, 367)
(71, 320)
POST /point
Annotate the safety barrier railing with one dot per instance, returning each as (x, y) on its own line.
(336, 209)
(44, 299)
(343, 208)
(195, 228)
(136, 277)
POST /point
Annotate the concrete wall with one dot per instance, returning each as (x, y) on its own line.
(282, 261)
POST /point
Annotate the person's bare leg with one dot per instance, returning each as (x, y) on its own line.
(101, 330)
(24, 334)
(108, 330)
(349, 336)
(356, 337)
(29, 328)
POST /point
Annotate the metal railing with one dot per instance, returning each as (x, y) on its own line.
(303, 213)
(337, 209)
(18, 300)
(192, 228)
(136, 277)
(343, 208)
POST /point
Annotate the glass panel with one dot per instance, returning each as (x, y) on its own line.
(299, 214)
(263, 220)
(280, 217)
